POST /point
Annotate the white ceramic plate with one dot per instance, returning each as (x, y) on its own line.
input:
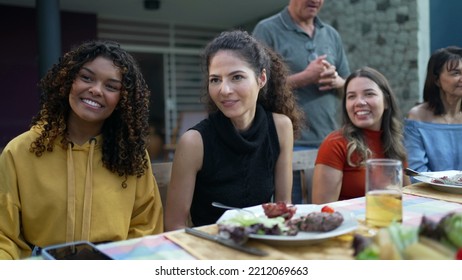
(302, 238)
(438, 186)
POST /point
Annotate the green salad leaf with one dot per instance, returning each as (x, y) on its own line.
(246, 220)
(452, 226)
(403, 236)
(371, 252)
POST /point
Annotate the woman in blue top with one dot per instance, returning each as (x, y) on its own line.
(241, 155)
(433, 129)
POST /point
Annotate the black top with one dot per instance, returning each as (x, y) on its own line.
(238, 168)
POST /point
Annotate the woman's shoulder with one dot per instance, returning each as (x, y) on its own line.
(281, 119)
(335, 136)
(189, 151)
(25, 138)
(335, 139)
(421, 112)
(283, 125)
(190, 138)
(333, 148)
(21, 143)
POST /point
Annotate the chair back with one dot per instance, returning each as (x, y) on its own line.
(303, 161)
(186, 120)
(162, 172)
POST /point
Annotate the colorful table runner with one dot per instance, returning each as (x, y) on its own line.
(156, 247)
(178, 245)
(414, 207)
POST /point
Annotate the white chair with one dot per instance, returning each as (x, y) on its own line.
(303, 161)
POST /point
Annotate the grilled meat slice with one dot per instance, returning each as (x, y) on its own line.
(317, 221)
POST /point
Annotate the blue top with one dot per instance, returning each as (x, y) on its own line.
(297, 48)
(433, 146)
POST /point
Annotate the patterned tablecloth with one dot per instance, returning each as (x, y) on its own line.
(156, 247)
(414, 207)
(178, 245)
(432, 191)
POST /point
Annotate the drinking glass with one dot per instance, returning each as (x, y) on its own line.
(384, 181)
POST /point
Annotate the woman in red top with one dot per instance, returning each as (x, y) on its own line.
(371, 129)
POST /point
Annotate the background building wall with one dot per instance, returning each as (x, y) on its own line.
(19, 70)
(384, 35)
(393, 36)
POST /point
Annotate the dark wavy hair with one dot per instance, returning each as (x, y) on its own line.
(392, 128)
(124, 132)
(450, 58)
(276, 96)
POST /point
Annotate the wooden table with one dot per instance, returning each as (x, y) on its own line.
(180, 245)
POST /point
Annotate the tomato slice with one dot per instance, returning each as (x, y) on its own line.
(327, 209)
(459, 254)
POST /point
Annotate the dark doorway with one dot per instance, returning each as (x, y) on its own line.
(151, 65)
(444, 23)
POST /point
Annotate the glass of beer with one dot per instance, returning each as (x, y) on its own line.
(384, 202)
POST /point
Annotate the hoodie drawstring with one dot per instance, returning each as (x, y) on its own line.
(88, 195)
(70, 228)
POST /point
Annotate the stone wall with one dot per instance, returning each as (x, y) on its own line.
(382, 34)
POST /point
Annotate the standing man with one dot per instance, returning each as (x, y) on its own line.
(314, 52)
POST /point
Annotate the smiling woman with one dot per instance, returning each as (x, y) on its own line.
(365, 104)
(241, 155)
(82, 169)
(94, 95)
(437, 122)
(371, 129)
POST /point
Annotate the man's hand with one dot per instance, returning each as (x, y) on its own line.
(329, 78)
(310, 75)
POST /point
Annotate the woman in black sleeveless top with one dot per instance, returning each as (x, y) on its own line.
(241, 155)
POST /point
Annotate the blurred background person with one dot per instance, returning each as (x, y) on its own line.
(371, 129)
(241, 155)
(156, 142)
(433, 129)
(314, 52)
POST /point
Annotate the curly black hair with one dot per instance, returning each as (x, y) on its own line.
(124, 132)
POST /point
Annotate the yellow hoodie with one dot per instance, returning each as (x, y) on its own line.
(43, 199)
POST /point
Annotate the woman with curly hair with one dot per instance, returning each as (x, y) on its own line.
(82, 171)
(371, 129)
(241, 155)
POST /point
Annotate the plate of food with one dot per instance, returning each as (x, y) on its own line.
(452, 180)
(307, 224)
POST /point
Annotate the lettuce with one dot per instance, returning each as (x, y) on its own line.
(245, 220)
(371, 252)
(403, 236)
(452, 227)
(240, 226)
